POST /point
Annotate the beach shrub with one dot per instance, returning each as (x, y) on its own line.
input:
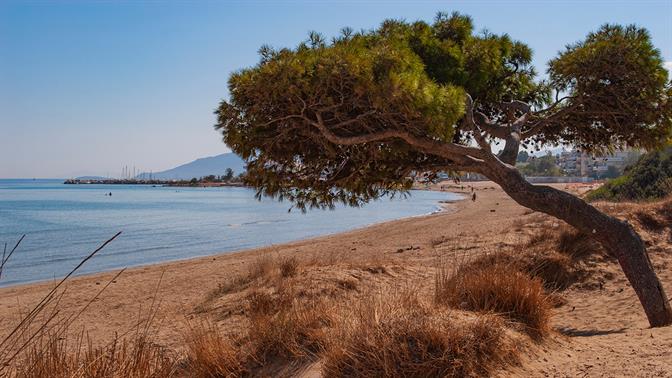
(398, 336)
(498, 287)
(289, 267)
(212, 354)
(576, 244)
(281, 326)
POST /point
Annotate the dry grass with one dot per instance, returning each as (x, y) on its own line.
(650, 222)
(49, 356)
(283, 327)
(560, 257)
(293, 320)
(399, 336)
(212, 354)
(556, 270)
(540, 238)
(498, 288)
(261, 267)
(289, 267)
(577, 245)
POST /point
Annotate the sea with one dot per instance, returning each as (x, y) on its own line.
(64, 223)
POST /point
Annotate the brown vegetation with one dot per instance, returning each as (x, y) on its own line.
(499, 288)
(399, 335)
(50, 356)
(210, 353)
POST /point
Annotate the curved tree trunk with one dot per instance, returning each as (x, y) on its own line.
(615, 235)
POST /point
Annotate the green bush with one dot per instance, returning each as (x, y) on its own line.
(649, 178)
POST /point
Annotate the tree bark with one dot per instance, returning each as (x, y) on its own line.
(615, 235)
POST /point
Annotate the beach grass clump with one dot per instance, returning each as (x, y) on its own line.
(650, 222)
(261, 267)
(211, 353)
(49, 356)
(282, 326)
(576, 244)
(289, 267)
(555, 270)
(499, 288)
(399, 336)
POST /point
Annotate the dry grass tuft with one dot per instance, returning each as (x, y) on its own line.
(498, 288)
(283, 327)
(211, 354)
(261, 267)
(401, 337)
(347, 284)
(650, 222)
(289, 267)
(665, 211)
(555, 270)
(540, 238)
(576, 244)
(50, 357)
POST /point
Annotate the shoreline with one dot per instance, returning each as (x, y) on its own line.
(442, 206)
(185, 283)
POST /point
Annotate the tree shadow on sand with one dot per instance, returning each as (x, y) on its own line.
(573, 332)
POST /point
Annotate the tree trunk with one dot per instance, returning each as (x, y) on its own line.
(615, 235)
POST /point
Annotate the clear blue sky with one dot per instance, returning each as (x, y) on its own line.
(87, 87)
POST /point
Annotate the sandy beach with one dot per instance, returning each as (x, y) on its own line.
(597, 332)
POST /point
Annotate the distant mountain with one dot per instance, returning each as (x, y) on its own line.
(214, 165)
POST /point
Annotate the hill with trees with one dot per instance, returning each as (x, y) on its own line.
(649, 178)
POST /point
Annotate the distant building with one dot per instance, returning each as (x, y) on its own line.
(579, 163)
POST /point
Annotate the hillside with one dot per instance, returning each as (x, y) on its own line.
(213, 165)
(648, 179)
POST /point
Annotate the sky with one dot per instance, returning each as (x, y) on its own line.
(89, 87)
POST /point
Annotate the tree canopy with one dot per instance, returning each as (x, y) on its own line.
(352, 119)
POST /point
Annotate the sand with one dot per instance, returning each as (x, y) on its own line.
(599, 332)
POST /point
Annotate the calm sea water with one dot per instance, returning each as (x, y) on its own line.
(64, 223)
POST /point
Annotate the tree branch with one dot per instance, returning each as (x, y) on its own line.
(483, 123)
(451, 151)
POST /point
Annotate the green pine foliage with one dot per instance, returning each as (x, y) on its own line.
(616, 80)
(414, 78)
